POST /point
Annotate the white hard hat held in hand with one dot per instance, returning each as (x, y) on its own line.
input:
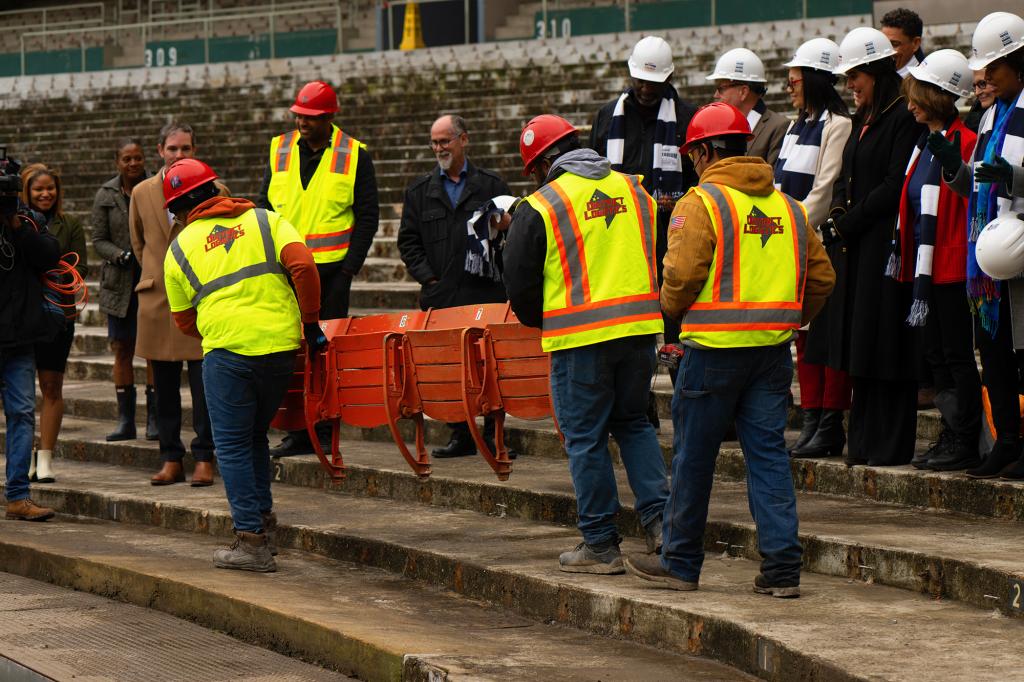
(862, 45)
(1000, 247)
(651, 60)
(997, 35)
(947, 69)
(739, 64)
(819, 53)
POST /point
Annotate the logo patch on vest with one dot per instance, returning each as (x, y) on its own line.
(764, 225)
(223, 236)
(603, 206)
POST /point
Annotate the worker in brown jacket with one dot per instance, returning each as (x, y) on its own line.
(744, 270)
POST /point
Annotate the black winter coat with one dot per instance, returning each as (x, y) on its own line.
(432, 238)
(25, 256)
(864, 329)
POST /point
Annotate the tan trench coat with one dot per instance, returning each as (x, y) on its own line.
(152, 233)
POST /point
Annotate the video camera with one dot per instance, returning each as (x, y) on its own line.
(10, 185)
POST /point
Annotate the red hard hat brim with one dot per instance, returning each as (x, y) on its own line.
(687, 146)
(306, 111)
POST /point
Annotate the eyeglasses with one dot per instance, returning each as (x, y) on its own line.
(441, 144)
(722, 87)
(980, 85)
(791, 83)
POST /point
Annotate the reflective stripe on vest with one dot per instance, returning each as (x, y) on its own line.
(284, 151)
(269, 266)
(725, 309)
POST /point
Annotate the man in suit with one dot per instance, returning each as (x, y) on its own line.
(433, 239)
(152, 229)
(739, 81)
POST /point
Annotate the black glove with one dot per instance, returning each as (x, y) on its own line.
(126, 260)
(315, 339)
(999, 170)
(829, 234)
(946, 151)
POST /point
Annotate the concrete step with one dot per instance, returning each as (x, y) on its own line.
(946, 554)
(88, 637)
(511, 563)
(360, 621)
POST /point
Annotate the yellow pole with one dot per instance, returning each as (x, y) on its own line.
(412, 29)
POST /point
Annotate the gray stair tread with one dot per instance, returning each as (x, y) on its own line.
(909, 636)
(73, 634)
(380, 610)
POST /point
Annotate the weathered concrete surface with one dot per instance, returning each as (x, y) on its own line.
(512, 563)
(362, 621)
(68, 635)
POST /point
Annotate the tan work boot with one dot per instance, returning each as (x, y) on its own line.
(27, 510)
(249, 552)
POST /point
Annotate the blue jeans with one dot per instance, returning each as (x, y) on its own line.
(18, 387)
(714, 387)
(242, 394)
(597, 390)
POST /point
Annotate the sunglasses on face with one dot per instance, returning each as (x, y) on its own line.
(792, 83)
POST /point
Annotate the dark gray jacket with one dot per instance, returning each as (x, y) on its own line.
(110, 236)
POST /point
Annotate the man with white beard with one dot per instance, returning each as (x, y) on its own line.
(453, 267)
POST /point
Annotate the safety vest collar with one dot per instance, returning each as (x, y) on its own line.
(340, 150)
(269, 265)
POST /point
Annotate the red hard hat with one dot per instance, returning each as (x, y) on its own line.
(538, 136)
(184, 176)
(315, 98)
(715, 120)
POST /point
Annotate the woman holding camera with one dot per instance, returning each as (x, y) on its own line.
(119, 276)
(41, 191)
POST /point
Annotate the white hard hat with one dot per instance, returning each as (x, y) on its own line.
(947, 69)
(861, 46)
(820, 53)
(739, 64)
(651, 60)
(997, 35)
(1000, 247)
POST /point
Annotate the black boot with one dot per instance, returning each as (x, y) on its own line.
(812, 417)
(295, 443)
(961, 453)
(152, 432)
(828, 440)
(1005, 452)
(125, 414)
(460, 445)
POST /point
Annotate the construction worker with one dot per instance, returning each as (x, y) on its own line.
(744, 271)
(227, 277)
(739, 81)
(322, 181)
(579, 264)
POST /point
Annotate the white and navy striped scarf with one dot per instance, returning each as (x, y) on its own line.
(926, 247)
(667, 176)
(798, 158)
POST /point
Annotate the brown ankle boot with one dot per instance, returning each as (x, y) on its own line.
(171, 472)
(27, 510)
(249, 552)
(202, 475)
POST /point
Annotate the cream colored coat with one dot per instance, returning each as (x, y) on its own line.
(151, 232)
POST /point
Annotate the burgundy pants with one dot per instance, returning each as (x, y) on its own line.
(821, 387)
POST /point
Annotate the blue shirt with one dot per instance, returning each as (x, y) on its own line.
(454, 189)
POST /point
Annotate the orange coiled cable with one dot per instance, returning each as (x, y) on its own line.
(65, 281)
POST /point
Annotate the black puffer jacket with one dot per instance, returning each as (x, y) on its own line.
(24, 255)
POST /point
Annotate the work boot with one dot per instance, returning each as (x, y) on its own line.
(270, 530)
(962, 453)
(828, 441)
(125, 429)
(27, 510)
(202, 475)
(604, 559)
(786, 589)
(249, 552)
(1005, 452)
(32, 467)
(812, 418)
(44, 474)
(648, 567)
(937, 449)
(460, 445)
(152, 431)
(170, 472)
(653, 533)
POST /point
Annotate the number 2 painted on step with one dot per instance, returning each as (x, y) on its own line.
(1015, 602)
(278, 469)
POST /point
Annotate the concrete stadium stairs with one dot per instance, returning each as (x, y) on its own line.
(909, 575)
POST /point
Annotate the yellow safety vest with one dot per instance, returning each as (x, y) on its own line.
(754, 292)
(600, 281)
(229, 270)
(322, 212)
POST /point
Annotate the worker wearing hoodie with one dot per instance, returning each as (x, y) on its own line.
(743, 271)
(579, 264)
